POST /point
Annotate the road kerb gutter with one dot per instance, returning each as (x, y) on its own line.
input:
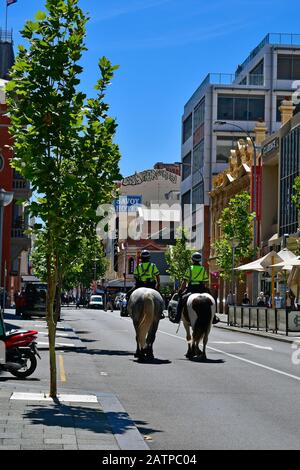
(125, 432)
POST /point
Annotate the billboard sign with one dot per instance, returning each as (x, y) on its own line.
(128, 203)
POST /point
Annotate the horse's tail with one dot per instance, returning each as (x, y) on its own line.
(147, 319)
(202, 307)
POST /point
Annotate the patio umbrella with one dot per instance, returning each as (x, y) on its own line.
(261, 264)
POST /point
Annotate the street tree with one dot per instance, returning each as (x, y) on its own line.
(296, 201)
(63, 141)
(178, 257)
(235, 223)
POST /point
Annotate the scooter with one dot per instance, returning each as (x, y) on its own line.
(21, 352)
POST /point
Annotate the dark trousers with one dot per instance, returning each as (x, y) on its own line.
(191, 289)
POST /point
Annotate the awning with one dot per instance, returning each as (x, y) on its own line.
(289, 260)
(261, 264)
(119, 283)
(30, 279)
(293, 281)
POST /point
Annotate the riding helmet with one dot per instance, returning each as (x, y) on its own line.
(197, 257)
(145, 255)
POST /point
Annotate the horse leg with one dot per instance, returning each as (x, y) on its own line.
(205, 339)
(150, 340)
(138, 351)
(189, 353)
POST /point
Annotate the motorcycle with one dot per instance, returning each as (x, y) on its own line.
(20, 352)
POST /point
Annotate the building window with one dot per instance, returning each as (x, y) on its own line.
(279, 100)
(186, 166)
(289, 170)
(199, 114)
(256, 76)
(241, 108)
(288, 67)
(130, 265)
(185, 203)
(198, 195)
(198, 157)
(187, 128)
(224, 145)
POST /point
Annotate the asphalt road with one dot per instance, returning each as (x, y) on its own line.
(245, 396)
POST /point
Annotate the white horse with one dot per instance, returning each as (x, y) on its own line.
(198, 315)
(145, 307)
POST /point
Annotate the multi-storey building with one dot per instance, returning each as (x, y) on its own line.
(146, 224)
(253, 93)
(16, 244)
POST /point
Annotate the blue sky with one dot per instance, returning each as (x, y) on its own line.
(164, 48)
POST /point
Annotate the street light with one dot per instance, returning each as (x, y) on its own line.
(6, 198)
(222, 123)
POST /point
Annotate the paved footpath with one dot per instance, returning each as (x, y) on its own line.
(78, 420)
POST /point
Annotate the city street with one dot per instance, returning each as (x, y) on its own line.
(246, 396)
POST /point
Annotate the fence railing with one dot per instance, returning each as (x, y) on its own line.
(262, 318)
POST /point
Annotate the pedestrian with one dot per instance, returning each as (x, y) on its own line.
(109, 303)
(289, 301)
(261, 300)
(278, 300)
(245, 300)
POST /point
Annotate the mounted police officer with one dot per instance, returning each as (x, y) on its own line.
(194, 282)
(146, 274)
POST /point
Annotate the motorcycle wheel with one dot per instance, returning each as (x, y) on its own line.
(26, 371)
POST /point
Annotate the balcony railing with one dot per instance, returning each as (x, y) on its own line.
(18, 232)
(256, 80)
(20, 183)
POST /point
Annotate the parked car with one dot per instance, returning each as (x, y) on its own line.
(96, 301)
(172, 307)
(123, 307)
(31, 301)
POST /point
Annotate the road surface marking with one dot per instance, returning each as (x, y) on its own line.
(62, 368)
(243, 342)
(41, 343)
(61, 397)
(257, 364)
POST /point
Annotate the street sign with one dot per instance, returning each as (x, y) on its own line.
(127, 203)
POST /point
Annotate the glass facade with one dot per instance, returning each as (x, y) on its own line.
(289, 169)
(186, 166)
(198, 195)
(187, 128)
(198, 157)
(241, 108)
(224, 145)
(288, 67)
(199, 114)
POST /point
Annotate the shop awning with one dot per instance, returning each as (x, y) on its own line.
(261, 264)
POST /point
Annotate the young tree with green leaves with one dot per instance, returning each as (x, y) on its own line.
(236, 223)
(63, 141)
(178, 257)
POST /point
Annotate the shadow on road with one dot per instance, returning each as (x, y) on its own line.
(153, 361)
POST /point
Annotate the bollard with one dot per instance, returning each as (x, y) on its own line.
(266, 317)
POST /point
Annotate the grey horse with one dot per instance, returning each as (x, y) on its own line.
(145, 306)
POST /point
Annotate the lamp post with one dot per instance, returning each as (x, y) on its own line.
(223, 123)
(6, 198)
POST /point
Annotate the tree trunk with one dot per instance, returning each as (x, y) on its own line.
(51, 328)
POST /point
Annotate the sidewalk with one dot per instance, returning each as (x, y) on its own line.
(280, 336)
(78, 420)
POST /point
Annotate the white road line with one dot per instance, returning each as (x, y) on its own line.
(257, 364)
(41, 343)
(243, 342)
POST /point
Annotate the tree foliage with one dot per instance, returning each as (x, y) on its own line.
(235, 223)
(296, 201)
(63, 140)
(178, 257)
